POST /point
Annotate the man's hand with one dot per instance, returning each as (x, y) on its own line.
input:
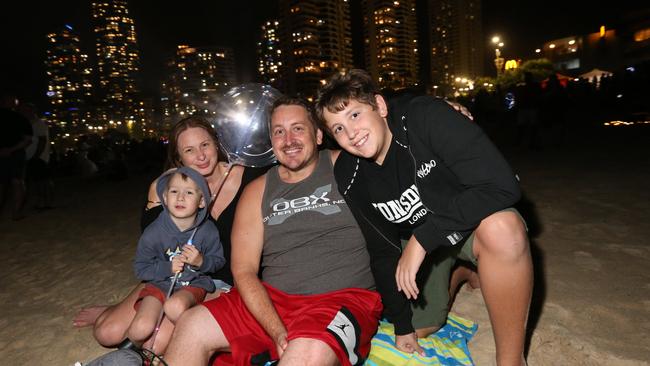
(281, 343)
(408, 266)
(408, 343)
(192, 256)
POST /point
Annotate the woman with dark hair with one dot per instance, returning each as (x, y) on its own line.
(192, 143)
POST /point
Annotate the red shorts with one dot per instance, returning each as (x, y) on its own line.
(346, 320)
(151, 290)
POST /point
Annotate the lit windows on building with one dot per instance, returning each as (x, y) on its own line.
(117, 63)
(68, 80)
(194, 76)
(391, 42)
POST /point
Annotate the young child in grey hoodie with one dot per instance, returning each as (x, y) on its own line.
(165, 249)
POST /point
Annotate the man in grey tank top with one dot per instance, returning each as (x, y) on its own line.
(316, 304)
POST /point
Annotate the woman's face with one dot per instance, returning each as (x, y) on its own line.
(197, 150)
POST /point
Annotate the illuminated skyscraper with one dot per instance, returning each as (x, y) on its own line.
(391, 46)
(316, 41)
(117, 66)
(457, 41)
(195, 76)
(269, 53)
(68, 81)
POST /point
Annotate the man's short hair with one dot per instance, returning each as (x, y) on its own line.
(340, 88)
(288, 101)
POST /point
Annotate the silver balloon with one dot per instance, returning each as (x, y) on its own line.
(241, 123)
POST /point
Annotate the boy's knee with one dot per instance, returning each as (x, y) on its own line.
(502, 233)
(174, 309)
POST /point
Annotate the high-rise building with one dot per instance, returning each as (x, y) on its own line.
(195, 76)
(68, 81)
(457, 42)
(117, 66)
(270, 55)
(316, 41)
(391, 45)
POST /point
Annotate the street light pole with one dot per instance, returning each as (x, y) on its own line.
(498, 60)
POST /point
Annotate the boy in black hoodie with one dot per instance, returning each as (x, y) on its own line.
(421, 176)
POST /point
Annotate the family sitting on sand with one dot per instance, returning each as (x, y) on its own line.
(327, 242)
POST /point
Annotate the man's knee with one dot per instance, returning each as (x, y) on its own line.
(308, 351)
(197, 325)
(502, 233)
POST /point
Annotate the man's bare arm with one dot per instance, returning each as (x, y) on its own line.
(247, 243)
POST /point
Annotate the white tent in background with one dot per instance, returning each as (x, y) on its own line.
(595, 73)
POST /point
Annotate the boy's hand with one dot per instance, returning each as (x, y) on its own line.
(408, 266)
(177, 264)
(461, 108)
(408, 343)
(192, 256)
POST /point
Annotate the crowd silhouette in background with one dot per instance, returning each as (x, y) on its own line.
(537, 114)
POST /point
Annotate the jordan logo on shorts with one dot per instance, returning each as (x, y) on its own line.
(345, 329)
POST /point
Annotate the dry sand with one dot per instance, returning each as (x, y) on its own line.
(588, 208)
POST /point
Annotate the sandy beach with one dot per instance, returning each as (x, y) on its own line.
(587, 204)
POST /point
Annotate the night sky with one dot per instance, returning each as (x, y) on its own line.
(161, 25)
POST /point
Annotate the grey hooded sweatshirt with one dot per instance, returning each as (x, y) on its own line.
(162, 240)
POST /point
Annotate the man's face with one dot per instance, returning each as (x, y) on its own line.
(183, 197)
(293, 137)
(361, 130)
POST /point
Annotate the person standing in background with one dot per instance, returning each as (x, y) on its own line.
(37, 155)
(16, 135)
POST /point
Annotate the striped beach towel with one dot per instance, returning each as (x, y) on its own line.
(446, 347)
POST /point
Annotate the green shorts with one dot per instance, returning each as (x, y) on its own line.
(432, 305)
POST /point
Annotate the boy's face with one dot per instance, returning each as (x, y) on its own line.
(183, 197)
(361, 130)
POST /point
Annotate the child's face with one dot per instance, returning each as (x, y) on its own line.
(361, 130)
(183, 197)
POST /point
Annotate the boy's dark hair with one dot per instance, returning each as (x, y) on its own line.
(287, 101)
(184, 177)
(340, 88)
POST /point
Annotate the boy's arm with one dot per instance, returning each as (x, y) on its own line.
(247, 244)
(148, 264)
(489, 185)
(397, 309)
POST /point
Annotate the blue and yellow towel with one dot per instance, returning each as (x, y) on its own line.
(446, 347)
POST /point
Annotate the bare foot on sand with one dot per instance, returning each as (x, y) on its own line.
(87, 316)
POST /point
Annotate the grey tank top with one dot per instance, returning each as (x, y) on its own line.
(312, 243)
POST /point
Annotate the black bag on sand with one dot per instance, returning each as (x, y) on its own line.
(119, 357)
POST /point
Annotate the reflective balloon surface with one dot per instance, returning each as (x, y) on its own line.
(241, 122)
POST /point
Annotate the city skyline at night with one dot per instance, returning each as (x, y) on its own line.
(162, 26)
